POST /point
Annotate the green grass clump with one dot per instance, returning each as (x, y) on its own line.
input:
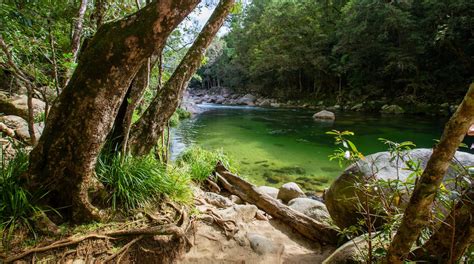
(178, 115)
(134, 182)
(17, 205)
(183, 113)
(174, 120)
(200, 163)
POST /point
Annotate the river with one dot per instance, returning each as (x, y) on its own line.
(272, 145)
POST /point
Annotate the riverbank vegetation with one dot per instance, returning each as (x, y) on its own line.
(404, 52)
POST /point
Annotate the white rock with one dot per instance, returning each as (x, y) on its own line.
(271, 191)
(290, 191)
(324, 115)
(312, 208)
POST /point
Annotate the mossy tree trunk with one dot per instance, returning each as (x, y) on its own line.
(417, 213)
(147, 130)
(64, 159)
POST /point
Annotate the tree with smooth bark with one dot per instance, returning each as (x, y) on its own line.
(64, 159)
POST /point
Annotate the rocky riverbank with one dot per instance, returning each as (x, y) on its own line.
(385, 105)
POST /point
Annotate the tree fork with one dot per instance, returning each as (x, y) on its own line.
(417, 213)
(146, 132)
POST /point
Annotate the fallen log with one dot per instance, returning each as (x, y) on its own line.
(307, 226)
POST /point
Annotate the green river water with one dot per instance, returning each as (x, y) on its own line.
(271, 146)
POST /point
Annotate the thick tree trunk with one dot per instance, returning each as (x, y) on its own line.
(417, 213)
(456, 233)
(64, 160)
(146, 132)
(307, 226)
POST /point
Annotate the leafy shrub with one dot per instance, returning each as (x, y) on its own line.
(136, 181)
(17, 205)
(174, 120)
(200, 163)
(183, 114)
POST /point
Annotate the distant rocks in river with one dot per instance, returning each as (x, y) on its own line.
(247, 99)
(343, 195)
(324, 115)
(392, 109)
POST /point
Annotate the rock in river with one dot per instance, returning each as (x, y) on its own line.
(324, 115)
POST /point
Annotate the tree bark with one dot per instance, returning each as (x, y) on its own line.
(417, 213)
(145, 133)
(64, 160)
(459, 225)
(123, 121)
(305, 225)
(77, 33)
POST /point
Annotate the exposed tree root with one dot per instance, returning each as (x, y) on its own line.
(123, 250)
(176, 230)
(58, 244)
(229, 226)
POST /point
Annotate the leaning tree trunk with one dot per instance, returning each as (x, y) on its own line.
(417, 213)
(145, 133)
(453, 237)
(64, 160)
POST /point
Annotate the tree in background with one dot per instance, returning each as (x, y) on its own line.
(349, 50)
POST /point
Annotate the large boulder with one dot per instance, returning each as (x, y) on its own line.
(312, 208)
(392, 109)
(324, 115)
(247, 99)
(18, 105)
(342, 197)
(290, 191)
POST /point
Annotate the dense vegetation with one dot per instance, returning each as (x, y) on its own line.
(349, 50)
(107, 78)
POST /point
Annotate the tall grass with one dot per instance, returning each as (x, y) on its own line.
(17, 205)
(134, 182)
(200, 163)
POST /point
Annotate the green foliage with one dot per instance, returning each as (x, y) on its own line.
(17, 205)
(134, 182)
(178, 115)
(346, 49)
(200, 163)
